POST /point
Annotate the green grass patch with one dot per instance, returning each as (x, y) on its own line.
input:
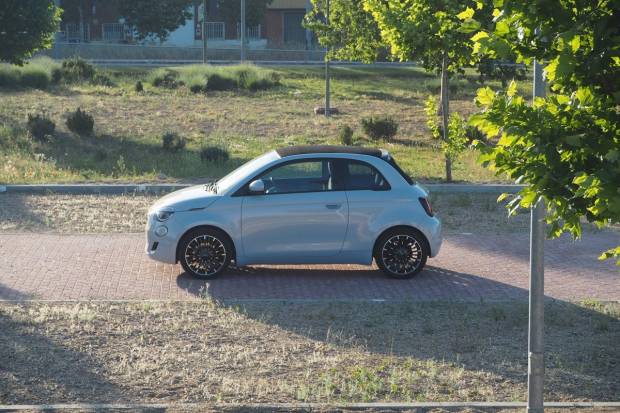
(36, 74)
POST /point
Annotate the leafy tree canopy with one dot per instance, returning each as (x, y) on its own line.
(254, 11)
(352, 33)
(566, 146)
(155, 17)
(26, 26)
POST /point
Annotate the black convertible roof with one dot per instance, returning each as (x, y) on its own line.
(304, 149)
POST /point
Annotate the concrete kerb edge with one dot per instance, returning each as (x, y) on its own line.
(119, 189)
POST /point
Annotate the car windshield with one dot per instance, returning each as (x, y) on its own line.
(243, 172)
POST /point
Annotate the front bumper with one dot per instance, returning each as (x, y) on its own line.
(159, 248)
(435, 237)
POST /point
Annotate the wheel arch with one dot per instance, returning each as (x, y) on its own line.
(396, 227)
(206, 227)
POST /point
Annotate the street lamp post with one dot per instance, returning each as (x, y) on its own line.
(242, 30)
(536, 362)
(204, 31)
(327, 74)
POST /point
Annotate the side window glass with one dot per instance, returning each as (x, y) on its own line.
(362, 176)
(305, 176)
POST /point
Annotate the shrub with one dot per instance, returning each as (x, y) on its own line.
(80, 122)
(56, 75)
(197, 88)
(214, 153)
(34, 78)
(77, 70)
(166, 78)
(219, 82)
(380, 127)
(9, 76)
(138, 87)
(102, 80)
(346, 135)
(172, 142)
(40, 127)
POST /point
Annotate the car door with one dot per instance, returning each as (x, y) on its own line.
(368, 194)
(299, 218)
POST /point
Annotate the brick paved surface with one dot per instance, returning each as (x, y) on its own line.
(469, 267)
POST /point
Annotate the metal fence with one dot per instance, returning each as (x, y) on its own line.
(118, 53)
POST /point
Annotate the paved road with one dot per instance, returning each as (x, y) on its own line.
(469, 268)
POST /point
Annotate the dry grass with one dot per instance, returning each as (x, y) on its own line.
(286, 352)
(127, 213)
(128, 126)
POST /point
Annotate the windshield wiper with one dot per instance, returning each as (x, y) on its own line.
(211, 187)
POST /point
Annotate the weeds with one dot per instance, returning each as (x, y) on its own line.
(80, 122)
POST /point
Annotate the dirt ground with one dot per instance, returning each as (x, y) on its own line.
(207, 352)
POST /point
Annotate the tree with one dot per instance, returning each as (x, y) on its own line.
(26, 26)
(155, 17)
(352, 32)
(426, 31)
(254, 11)
(565, 147)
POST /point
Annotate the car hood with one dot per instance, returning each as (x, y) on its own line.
(194, 197)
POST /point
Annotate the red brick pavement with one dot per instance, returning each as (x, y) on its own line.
(469, 268)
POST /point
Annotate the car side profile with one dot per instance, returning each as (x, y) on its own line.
(299, 205)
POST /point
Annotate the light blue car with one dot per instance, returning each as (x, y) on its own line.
(299, 205)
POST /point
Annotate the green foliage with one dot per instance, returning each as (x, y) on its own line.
(36, 74)
(504, 71)
(172, 142)
(166, 78)
(40, 127)
(352, 33)
(254, 11)
(424, 30)
(217, 82)
(101, 79)
(566, 146)
(458, 138)
(155, 18)
(76, 69)
(80, 122)
(377, 128)
(346, 135)
(26, 26)
(138, 87)
(214, 153)
(201, 78)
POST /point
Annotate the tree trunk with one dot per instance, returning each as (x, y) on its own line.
(445, 110)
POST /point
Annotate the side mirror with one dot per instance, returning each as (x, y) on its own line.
(257, 187)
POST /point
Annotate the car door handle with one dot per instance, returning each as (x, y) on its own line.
(333, 206)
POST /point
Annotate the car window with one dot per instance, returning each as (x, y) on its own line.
(362, 176)
(294, 177)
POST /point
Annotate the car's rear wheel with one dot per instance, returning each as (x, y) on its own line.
(401, 252)
(205, 252)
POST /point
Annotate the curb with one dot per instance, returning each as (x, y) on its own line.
(300, 406)
(117, 189)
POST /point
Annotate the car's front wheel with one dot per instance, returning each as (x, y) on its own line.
(205, 252)
(401, 252)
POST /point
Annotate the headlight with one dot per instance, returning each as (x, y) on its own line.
(164, 214)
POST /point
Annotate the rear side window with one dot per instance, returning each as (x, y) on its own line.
(362, 176)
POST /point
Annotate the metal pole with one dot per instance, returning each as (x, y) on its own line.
(536, 361)
(242, 30)
(204, 31)
(327, 75)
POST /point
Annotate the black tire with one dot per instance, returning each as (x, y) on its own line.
(401, 252)
(205, 252)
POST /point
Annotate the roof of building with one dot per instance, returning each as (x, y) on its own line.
(305, 149)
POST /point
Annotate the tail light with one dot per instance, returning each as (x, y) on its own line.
(427, 206)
